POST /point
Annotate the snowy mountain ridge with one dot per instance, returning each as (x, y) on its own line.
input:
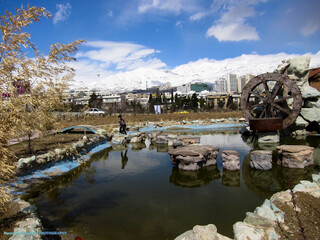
(205, 70)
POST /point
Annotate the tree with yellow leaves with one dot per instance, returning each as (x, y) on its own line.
(31, 86)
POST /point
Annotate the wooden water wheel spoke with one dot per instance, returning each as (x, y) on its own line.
(256, 105)
(272, 111)
(256, 95)
(265, 97)
(282, 99)
(276, 91)
(266, 89)
(282, 109)
(263, 113)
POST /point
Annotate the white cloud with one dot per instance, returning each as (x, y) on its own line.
(168, 6)
(301, 18)
(199, 16)
(63, 12)
(121, 55)
(309, 17)
(310, 28)
(233, 25)
(179, 24)
(233, 32)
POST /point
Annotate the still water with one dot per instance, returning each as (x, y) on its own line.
(136, 193)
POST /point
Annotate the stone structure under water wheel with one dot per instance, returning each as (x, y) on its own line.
(270, 102)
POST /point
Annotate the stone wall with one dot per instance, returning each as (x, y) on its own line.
(297, 69)
(34, 162)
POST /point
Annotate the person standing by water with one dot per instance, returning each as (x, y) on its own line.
(123, 125)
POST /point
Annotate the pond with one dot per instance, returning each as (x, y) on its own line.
(137, 193)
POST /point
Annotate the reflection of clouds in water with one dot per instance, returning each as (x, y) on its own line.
(225, 141)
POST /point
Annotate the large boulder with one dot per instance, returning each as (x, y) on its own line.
(309, 92)
(193, 157)
(138, 137)
(295, 156)
(261, 159)
(22, 162)
(161, 139)
(119, 139)
(300, 122)
(312, 103)
(298, 70)
(311, 114)
(230, 160)
(268, 137)
(208, 232)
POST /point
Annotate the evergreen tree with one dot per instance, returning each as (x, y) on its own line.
(158, 97)
(95, 101)
(202, 102)
(194, 102)
(220, 103)
(151, 104)
(172, 97)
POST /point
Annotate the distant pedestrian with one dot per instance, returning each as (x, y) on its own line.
(123, 125)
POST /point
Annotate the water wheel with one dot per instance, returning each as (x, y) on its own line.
(270, 97)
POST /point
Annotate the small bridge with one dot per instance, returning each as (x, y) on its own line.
(88, 128)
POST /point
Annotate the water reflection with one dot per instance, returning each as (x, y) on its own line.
(160, 147)
(231, 178)
(265, 183)
(122, 188)
(191, 179)
(89, 175)
(124, 158)
(137, 146)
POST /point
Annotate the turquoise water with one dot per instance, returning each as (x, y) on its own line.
(137, 193)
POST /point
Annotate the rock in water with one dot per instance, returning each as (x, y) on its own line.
(230, 160)
(193, 157)
(295, 156)
(261, 159)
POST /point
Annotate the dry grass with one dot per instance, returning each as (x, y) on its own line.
(133, 119)
(44, 144)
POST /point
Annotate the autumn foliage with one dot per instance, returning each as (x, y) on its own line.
(31, 84)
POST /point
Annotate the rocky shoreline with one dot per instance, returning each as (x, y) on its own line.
(284, 216)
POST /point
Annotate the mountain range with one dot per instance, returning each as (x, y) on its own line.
(204, 70)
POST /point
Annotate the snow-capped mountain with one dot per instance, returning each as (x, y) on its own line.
(206, 70)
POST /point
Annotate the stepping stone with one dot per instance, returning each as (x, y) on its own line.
(261, 159)
(230, 160)
(193, 157)
(295, 156)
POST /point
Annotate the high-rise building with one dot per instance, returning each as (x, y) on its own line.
(232, 83)
(221, 85)
(241, 83)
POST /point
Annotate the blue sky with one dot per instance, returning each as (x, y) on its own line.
(124, 35)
